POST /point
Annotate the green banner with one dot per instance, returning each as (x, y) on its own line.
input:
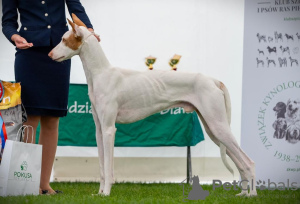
(172, 127)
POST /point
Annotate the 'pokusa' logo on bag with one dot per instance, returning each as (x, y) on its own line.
(24, 166)
(23, 175)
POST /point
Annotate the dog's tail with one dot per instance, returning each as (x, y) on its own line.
(227, 100)
(228, 113)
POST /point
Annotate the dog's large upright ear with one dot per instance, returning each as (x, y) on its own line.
(77, 21)
(72, 25)
(75, 28)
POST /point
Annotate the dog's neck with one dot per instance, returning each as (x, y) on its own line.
(92, 56)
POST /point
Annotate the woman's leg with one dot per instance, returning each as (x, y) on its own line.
(48, 138)
(33, 121)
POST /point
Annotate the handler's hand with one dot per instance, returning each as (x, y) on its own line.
(20, 42)
(96, 35)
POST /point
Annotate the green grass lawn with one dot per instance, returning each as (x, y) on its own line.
(148, 193)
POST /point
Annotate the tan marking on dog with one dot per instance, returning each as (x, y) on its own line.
(73, 41)
(221, 85)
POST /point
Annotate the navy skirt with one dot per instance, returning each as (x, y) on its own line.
(44, 82)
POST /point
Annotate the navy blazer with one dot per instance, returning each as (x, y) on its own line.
(43, 21)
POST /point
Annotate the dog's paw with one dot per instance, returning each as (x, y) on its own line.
(243, 193)
(252, 194)
(96, 194)
(105, 194)
(99, 194)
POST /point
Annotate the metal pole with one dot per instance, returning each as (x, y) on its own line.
(188, 165)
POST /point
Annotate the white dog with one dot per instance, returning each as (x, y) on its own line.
(125, 96)
(292, 114)
(293, 133)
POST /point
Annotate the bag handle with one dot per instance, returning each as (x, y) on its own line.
(22, 133)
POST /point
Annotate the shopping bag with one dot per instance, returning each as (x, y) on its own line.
(20, 169)
(11, 108)
(3, 136)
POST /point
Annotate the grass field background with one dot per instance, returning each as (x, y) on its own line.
(74, 193)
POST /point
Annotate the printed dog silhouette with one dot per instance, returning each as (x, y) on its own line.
(282, 62)
(286, 49)
(258, 61)
(293, 61)
(278, 36)
(272, 50)
(261, 37)
(289, 37)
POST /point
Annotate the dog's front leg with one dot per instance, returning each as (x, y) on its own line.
(107, 115)
(99, 139)
(108, 141)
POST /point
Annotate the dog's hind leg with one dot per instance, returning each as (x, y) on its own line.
(230, 154)
(245, 165)
(245, 177)
(215, 117)
(237, 163)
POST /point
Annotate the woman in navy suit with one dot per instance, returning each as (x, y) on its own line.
(45, 83)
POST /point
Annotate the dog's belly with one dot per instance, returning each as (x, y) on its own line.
(132, 115)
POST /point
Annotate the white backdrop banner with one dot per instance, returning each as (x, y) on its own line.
(271, 90)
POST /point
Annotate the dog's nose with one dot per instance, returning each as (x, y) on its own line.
(50, 54)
